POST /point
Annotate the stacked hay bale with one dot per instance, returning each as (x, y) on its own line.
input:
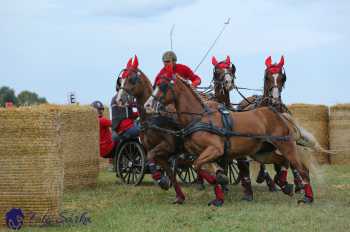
(339, 129)
(314, 118)
(31, 164)
(80, 145)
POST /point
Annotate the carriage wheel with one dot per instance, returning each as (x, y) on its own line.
(231, 171)
(187, 174)
(131, 163)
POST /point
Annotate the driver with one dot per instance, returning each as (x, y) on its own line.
(169, 57)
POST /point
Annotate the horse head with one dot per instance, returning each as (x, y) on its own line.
(133, 83)
(224, 74)
(163, 93)
(274, 80)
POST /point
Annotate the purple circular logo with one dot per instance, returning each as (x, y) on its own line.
(14, 218)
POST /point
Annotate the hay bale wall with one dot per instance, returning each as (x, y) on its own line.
(339, 133)
(80, 145)
(31, 164)
(314, 118)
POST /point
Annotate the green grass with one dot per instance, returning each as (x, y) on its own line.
(116, 207)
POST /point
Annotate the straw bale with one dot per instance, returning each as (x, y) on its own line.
(314, 118)
(80, 145)
(339, 130)
(31, 163)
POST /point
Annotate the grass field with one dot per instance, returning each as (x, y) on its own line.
(116, 207)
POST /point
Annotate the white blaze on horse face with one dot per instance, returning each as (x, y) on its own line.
(275, 90)
(150, 105)
(228, 79)
(120, 92)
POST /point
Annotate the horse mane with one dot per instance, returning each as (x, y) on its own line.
(200, 97)
(145, 78)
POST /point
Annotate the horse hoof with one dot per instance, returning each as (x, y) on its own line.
(306, 200)
(221, 178)
(272, 188)
(247, 198)
(179, 201)
(216, 203)
(288, 189)
(164, 182)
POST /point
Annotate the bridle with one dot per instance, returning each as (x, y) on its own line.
(134, 79)
(219, 78)
(270, 88)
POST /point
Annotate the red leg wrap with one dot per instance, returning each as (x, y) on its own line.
(219, 193)
(308, 191)
(206, 176)
(156, 175)
(283, 177)
(179, 192)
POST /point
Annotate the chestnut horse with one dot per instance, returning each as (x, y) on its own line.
(253, 131)
(223, 78)
(159, 146)
(274, 82)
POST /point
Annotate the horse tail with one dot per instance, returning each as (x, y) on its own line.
(305, 138)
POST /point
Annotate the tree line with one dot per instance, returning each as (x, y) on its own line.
(24, 98)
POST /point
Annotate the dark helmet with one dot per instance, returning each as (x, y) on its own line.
(169, 56)
(98, 105)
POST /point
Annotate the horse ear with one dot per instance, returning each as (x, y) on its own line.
(268, 61)
(214, 61)
(135, 63)
(128, 65)
(228, 60)
(281, 63)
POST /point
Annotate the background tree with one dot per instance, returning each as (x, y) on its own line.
(7, 95)
(26, 98)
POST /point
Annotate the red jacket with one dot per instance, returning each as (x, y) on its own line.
(106, 142)
(184, 72)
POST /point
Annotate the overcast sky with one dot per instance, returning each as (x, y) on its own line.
(54, 47)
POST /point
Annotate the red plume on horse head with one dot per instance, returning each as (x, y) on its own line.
(128, 65)
(135, 63)
(214, 61)
(268, 62)
(274, 68)
(223, 64)
(228, 60)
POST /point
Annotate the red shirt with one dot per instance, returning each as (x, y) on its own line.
(184, 72)
(106, 142)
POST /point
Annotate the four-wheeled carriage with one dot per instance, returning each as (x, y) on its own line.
(130, 164)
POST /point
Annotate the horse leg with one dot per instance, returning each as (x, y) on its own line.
(209, 154)
(244, 175)
(157, 154)
(180, 196)
(281, 165)
(298, 182)
(265, 176)
(288, 149)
